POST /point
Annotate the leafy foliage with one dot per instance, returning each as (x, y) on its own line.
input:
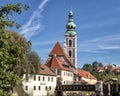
(35, 60)
(12, 50)
(12, 47)
(105, 75)
(7, 11)
(16, 57)
(4, 93)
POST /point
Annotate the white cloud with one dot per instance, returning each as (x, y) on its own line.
(34, 24)
(100, 44)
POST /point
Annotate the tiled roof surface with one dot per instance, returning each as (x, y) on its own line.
(85, 74)
(100, 68)
(115, 69)
(58, 50)
(57, 63)
(45, 70)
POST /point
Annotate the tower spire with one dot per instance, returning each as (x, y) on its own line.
(70, 41)
(71, 8)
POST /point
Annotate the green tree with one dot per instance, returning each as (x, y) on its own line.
(12, 47)
(6, 13)
(12, 50)
(93, 69)
(87, 67)
(29, 64)
(95, 65)
(34, 60)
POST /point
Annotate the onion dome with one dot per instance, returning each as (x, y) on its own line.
(70, 25)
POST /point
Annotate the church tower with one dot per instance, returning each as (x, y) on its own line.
(70, 40)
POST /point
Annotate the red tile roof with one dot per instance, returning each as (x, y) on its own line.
(57, 63)
(116, 69)
(100, 68)
(85, 74)
(58, 50)
(45, 70)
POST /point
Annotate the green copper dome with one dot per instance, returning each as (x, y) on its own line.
(70, 25)
(70, 33)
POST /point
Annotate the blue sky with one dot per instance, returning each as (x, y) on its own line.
(98, 27)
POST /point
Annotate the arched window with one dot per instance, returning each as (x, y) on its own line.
(70, 53)
(70, 43)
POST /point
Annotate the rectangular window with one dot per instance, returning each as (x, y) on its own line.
(34, 87)
(26, 87)
(64, 73)
(48, 78)
(39, 78)
(45, 87)
(38, 87)
(58, 72)
(51, 79)
(49, 87)
(68, 74)
(34, 78)
(43, 78)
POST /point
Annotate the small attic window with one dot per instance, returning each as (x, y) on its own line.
(42, 68)
(65, 65)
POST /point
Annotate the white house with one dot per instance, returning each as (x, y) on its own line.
(40, 84)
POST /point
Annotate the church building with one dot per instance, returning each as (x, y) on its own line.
(62, 66)
(63, 61)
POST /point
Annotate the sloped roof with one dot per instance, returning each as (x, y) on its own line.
(116, 69)
(100, 68)
(57, 63)
(58, 50)
(45, 70)
(85, 74)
